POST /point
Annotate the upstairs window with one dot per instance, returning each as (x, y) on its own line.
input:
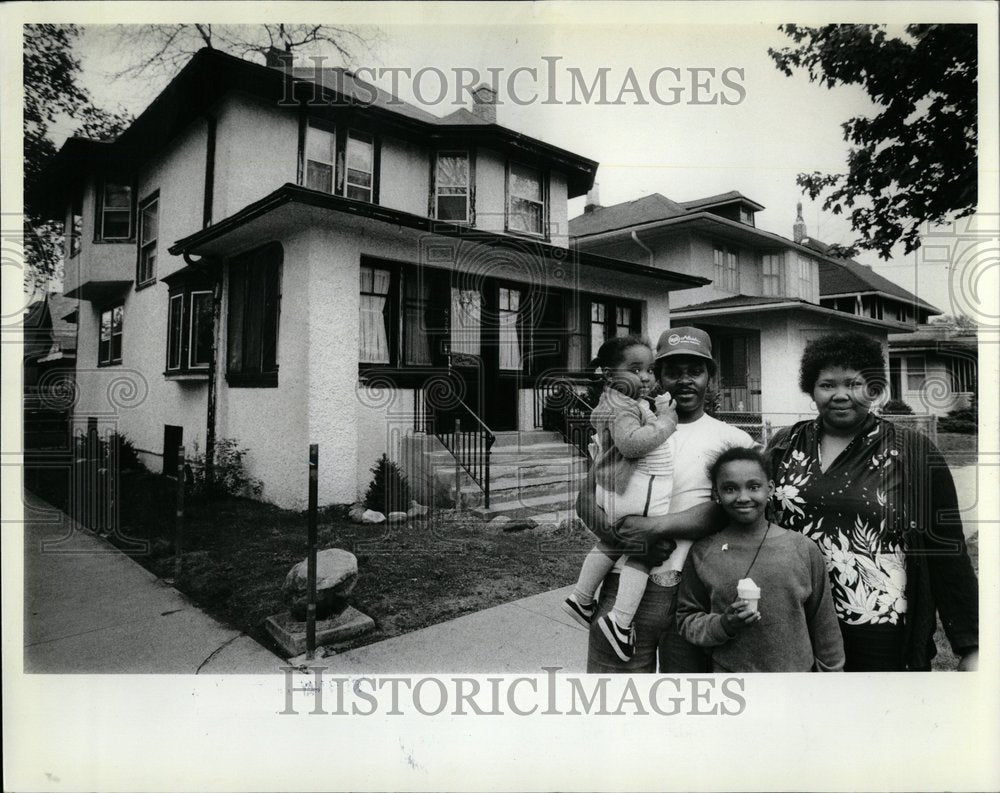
(114, 212)
(526, 200)
(808, 280)
(321, 158)
(74, 231)
(189, 329)
(148, 231)
(452, 187)
(773, 274)
(727, 273)
(746, 216)
(360, 167)
(254, 304)
(110, 332)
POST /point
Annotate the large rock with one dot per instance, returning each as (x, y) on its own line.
(397, 517)
(371, 516)
(417, 511)
(356, 513)
(336, 576)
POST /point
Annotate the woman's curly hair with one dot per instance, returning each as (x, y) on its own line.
(848, 350)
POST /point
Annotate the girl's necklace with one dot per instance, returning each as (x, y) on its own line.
(759, 546)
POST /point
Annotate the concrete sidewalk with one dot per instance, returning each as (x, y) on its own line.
(518, 637)
(88, 608)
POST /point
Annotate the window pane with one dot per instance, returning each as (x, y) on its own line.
(453, 170)
(252, 325)
(116, 224)
(117, 196)
(525, 183)
(319, 177)
(270, 313)
(105, 333)
(237, 302)
(525, 216)
(359, 193)
(452, 207)
(466, 327)
(359, 178)
(509, 341)
(117, 316)
(320, 145)
(359, 154)
(375, 316)
(149, 222)
(175, 327)
(417, 338)
(201, 329)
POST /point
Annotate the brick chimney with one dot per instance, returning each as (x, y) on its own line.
(799, 229)
(484, 103)
(593, 199)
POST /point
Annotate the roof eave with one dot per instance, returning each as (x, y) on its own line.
(290, 193)
(792, 305)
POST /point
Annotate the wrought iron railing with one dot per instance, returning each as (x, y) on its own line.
(458, 428)
(559, 406)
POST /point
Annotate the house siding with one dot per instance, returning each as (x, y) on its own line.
(404, 177)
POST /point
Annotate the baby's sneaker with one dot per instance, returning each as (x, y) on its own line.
(622, 641)
(582, 614)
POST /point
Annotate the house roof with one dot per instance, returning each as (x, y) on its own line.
(216, 240)
(210, 74)
(936, 337)
(742, 304)
(46, 327)
(845, 276)
(647, 209)
(733, 196)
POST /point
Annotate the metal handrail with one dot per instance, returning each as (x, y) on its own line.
(569, 414)
(470, 449)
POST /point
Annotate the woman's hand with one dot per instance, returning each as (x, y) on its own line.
(738, 617)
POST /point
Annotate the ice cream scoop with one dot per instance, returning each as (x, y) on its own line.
(747, 590)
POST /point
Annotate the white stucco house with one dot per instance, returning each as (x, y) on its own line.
(936, 368)
(288, 256)
(768, 296)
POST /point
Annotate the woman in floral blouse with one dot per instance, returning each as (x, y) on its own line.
(880, 502)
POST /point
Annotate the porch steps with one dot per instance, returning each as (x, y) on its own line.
(532, 474)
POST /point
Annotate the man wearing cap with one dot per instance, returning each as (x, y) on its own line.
(684, 368)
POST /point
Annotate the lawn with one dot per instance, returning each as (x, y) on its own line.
(237, 553)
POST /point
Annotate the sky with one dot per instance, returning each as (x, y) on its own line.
(763, 130)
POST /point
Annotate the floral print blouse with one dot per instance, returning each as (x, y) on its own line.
(849, 511)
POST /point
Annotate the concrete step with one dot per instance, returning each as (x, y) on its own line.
(566, 467)
(529, 438)
(512, 490)
(529, 507)
(504, 455)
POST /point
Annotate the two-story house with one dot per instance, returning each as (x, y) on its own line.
(287, 256)
(764, 303)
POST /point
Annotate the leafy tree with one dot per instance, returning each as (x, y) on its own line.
(51, 93)
(915, 161)
(957, 321)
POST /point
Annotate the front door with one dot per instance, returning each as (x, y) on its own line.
(485, 350)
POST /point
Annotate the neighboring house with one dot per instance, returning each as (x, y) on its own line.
(287, 256)
(766, 299)
(936, 369)
(49, 369)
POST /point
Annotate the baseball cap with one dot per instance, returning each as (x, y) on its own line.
(684, 341)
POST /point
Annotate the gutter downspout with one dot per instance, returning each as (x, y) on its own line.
(641, 244)
(212, 387)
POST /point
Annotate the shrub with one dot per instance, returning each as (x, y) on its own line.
(128, 457)
(389, 491)
(896, 407)
(946, 424)
(230, 475)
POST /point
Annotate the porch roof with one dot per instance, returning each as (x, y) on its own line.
(755, 304)
(283, 209)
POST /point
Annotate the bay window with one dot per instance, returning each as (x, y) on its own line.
(190, 329)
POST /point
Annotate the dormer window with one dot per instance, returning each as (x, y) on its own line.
(452, 187)
(526, 200)
(746, 216)
(114, 212)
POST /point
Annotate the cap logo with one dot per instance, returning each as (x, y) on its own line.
(673, 340)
